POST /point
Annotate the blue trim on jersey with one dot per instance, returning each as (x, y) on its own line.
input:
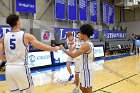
(89, 77)
(23, 40)
(27, 78)
(4, 53)
(29, 75)
(83, 61)
(25, 61)
(87, 61)
(85, 78)
(31, 78)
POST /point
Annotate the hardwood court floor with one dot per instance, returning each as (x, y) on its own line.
(118, 76)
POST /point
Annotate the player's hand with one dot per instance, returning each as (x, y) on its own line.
(57, 48)
(62, 47)
(71, 43)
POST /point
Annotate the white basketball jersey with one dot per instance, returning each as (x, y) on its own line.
(87, 58)
(15, 49)
(78, 43)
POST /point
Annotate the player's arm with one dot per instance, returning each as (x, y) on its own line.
(2, 56)
(37, 44)
(72, 48)
(84, 48)
(72, 42)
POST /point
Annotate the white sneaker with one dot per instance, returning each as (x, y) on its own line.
(76, 90)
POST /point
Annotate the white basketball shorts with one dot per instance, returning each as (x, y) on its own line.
(18, 77)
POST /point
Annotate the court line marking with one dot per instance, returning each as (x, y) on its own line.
(105, 91)
(114, 83)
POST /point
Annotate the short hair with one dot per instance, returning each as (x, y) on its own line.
(87, 29)
(12, 19)
(77, 32)
(69, 34)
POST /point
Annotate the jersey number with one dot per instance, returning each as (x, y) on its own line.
(12, 44)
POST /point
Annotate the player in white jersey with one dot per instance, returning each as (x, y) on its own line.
(78, 44)
(86, 52)
(15, 44)
(71, 46)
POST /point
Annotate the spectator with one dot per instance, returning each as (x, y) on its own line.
(132, 39)
(137, 43)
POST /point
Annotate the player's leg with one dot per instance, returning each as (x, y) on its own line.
(89, 80)
(77, 79)
(81, 88)
(88, 90)
(76, 89)
(82, 81)
(86, 80)
(69, 70)
(85, 89)
(77, 71)
(68, 63)
(68, 67)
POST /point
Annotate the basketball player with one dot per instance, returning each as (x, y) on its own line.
(86, 52)
(15, 45)
(71, 46)
(78, 44)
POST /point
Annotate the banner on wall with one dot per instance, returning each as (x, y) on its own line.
(99, 51)
(105, 13)
(109, 34)
(46, 36)
(59, 57)
(60, 9)
(96, 34)
(63, 31)
(111, 14)
(83, 10)
(72, 9)
(93, 10)
(36, 59)
(4, 30)
(28, 6)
